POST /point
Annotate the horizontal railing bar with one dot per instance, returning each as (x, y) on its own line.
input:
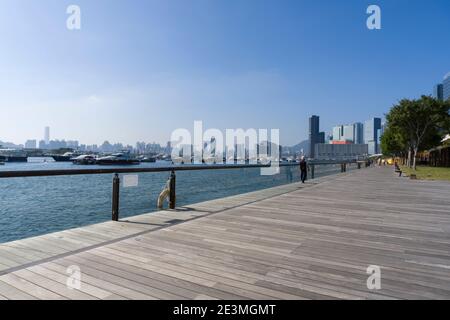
(72, 172)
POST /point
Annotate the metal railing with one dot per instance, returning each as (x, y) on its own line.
(172, 169)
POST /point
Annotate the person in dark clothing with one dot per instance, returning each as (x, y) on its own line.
(303, 169)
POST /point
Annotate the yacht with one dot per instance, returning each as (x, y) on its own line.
(120, 158)
(147, 159)
(66, 157)
(85, 159)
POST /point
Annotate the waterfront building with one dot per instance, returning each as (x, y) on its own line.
(30, 144)
(438, 92)
(338, 132)
(168, 148)
(446, 87)
(379, 135)
(74, 144)
(140, 147)
(56, 144)
(47, 135)
(352, 132)
(358, 128)
(349, 133)
(315, 136)
(341, 150)
(372, 130)
(42, 145)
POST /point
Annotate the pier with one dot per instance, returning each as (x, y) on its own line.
(296, 241)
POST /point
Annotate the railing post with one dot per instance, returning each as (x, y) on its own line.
(172, 196)
(312, 171)
(345, 167)
(359, 165)
(115, 197)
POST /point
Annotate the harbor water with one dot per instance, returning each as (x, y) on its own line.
(38, 205)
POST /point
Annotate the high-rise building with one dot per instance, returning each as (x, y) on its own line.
(349, 133)
(73, 144)
(315, 136)
(446, 87)
(372, 129)
(42, 145)
(338, 132)
(379, 135)
(47, 135)
(340, 151)
(30, 144)
(358, 128)
(438, 92)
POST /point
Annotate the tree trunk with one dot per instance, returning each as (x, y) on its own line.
(415, 159)
(409, 158)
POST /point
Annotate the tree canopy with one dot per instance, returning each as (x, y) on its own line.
(415, 125)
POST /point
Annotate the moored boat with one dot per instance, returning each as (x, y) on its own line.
(66, 157)
(147, 159)
(120, 158)
(85, 159)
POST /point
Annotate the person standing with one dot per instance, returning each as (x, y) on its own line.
(303, 169)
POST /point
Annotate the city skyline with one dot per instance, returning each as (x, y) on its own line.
(139, 72)
(345, 141)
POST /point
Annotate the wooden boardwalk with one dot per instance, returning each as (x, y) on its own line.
(312, 241)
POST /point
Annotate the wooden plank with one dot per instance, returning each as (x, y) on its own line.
(30, 288)
(56, 287)
(310, 241)
(12, 293)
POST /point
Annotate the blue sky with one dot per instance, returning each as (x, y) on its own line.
(139, 69)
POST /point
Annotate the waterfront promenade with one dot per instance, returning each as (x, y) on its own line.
(312, 241)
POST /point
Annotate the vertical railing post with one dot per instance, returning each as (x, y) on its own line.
(312, 171)
(359, 165)
(345, 167)
(172, 196)
(115, 197)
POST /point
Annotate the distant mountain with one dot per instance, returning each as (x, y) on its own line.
(297, 149)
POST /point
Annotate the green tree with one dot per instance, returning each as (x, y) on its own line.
(392, 143)
(416, 125)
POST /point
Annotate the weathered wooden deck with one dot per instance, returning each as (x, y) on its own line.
(312, 241)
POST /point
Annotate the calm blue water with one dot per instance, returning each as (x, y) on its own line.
(39, 205)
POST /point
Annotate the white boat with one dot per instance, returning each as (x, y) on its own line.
(66, 157)
(120, 158)
(85, 159)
